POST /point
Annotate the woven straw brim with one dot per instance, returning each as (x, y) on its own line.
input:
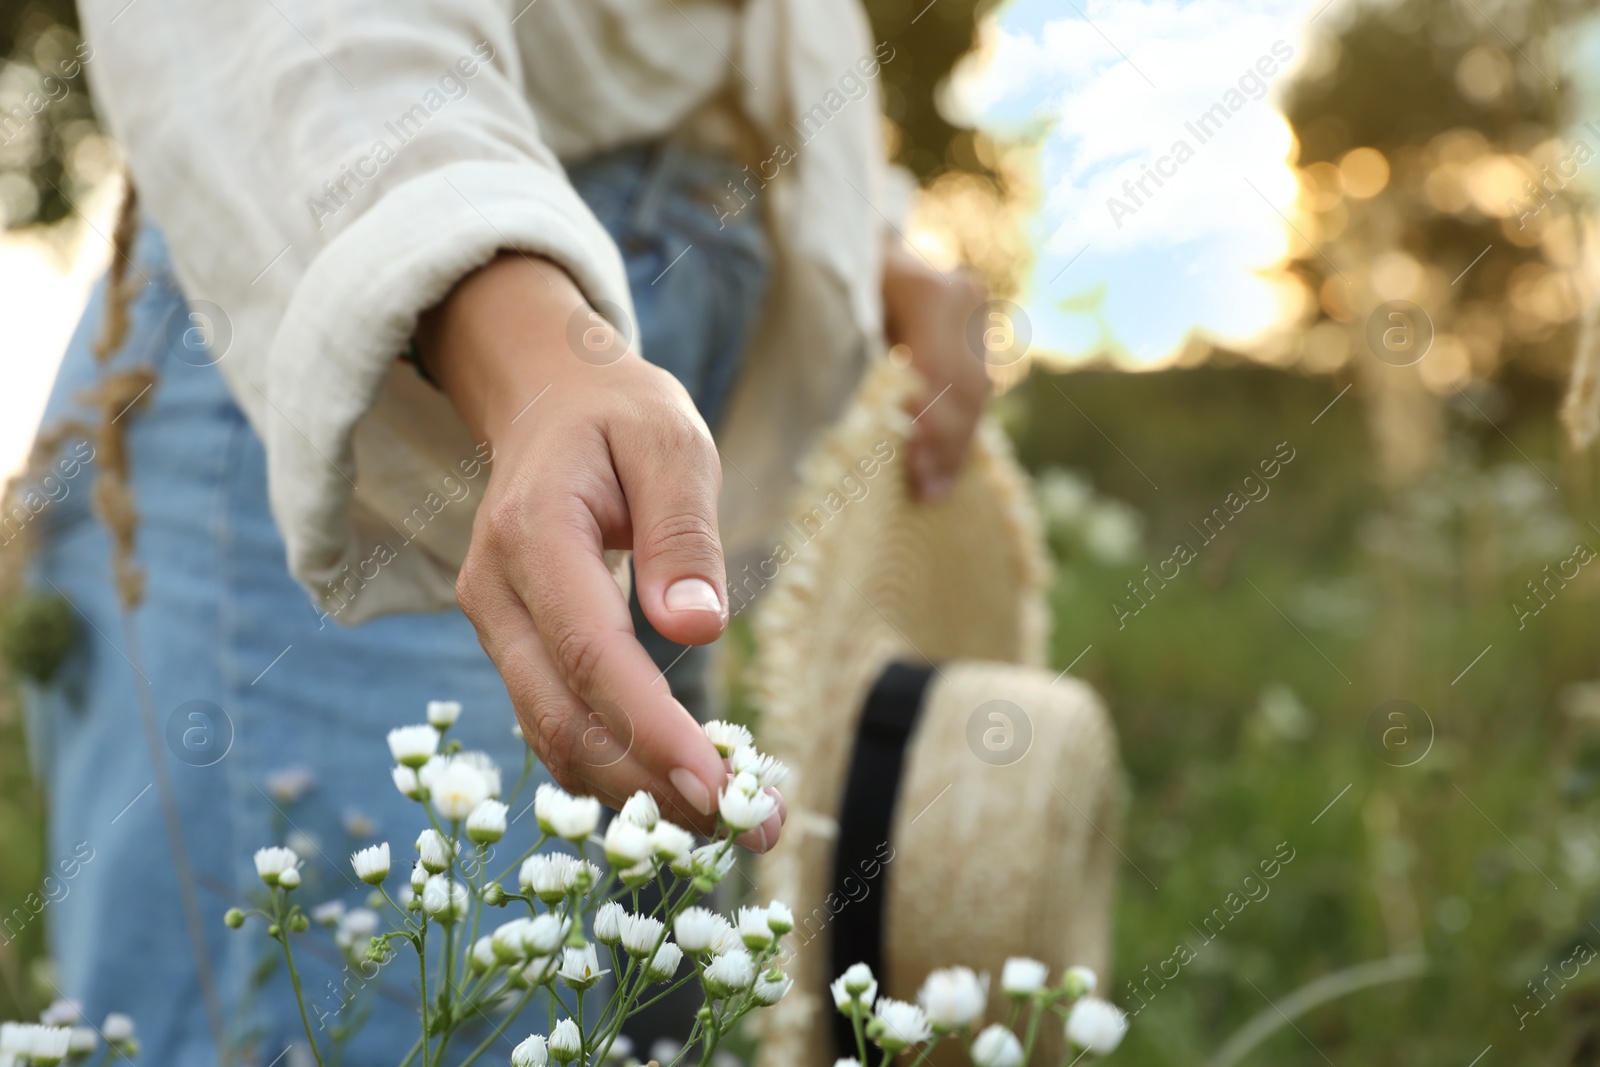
(868, 576)
(1003, 848)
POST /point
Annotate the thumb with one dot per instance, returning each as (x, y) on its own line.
(672, 501)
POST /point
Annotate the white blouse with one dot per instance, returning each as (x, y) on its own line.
(325, 170)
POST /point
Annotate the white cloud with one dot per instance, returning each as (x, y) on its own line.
(1122, 85)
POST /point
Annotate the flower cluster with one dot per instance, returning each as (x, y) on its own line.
(951, 1003)
(577, 926)
(61, 1037)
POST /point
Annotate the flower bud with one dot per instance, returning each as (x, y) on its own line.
(608, 923)
(530, 1053)
(412, 746)
(487, 823)
(371, 864)
(1079, 981)
(233, 918)
(779, 918)
(565, 1041)
(436, 851)
(442, 714)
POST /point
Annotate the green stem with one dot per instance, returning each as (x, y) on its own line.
(501, 1029)
(861, 1038)
(416, 1046)
(294, 979)
(421, 944)
(1034, 1018)
(926, 1048)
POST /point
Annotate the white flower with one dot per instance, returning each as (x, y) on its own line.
(742, 810)
(564, 815)
(1096, 1026)
(83, 1041)
(664, 964)
(671, 842)
(540, 970)
(565, 1041)
(897, 1025)
(695, 928)
(779, 918)
(117, 1028)
(995, 1046)
(856, 984)
(953, 998)
(640, 933)
(626, 843)
(419, 877)
(1080, 981)
(712, 861)
(727, 736)
(413, 746)
(290, 784)
(485, 765)
(726, 939)
(443, 899)
(289, 879)
(487, 823)
(36, 1043)
(731, 971)
(436, 851)
(456, 789)
(354, 934)
(848, 1061)
(442, 714)
(530, 1053)
(753, 928)
(507, 940)
(62, 1012)
(1021, 976)
(551, 876)
(768, 772)
(484, 957)
(544, 935)
(580, 967)
(641, 810)
(372, 863)
(608, 923)
(302, 844)
(271, 863)
(405, 780)
(328, 913)
(770, 987)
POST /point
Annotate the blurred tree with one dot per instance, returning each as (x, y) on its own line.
(50, 148)
(1445, 203)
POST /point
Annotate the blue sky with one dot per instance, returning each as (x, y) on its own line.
(1111, 84)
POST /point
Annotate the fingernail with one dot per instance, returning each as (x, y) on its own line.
(693, 594)
(693, 789)
(755, 840)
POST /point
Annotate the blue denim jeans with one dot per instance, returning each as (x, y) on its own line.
(181, 719)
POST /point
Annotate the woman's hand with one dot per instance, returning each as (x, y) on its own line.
(594, 449)
(929, 314)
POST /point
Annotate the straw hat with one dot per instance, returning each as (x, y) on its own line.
(898, 670)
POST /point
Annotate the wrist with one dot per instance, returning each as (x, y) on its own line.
(499, 339)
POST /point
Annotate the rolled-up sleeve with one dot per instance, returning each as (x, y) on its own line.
(323, 172)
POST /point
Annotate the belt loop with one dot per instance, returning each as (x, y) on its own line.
(664, 162)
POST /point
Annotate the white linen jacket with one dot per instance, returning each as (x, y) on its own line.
(325, 170)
